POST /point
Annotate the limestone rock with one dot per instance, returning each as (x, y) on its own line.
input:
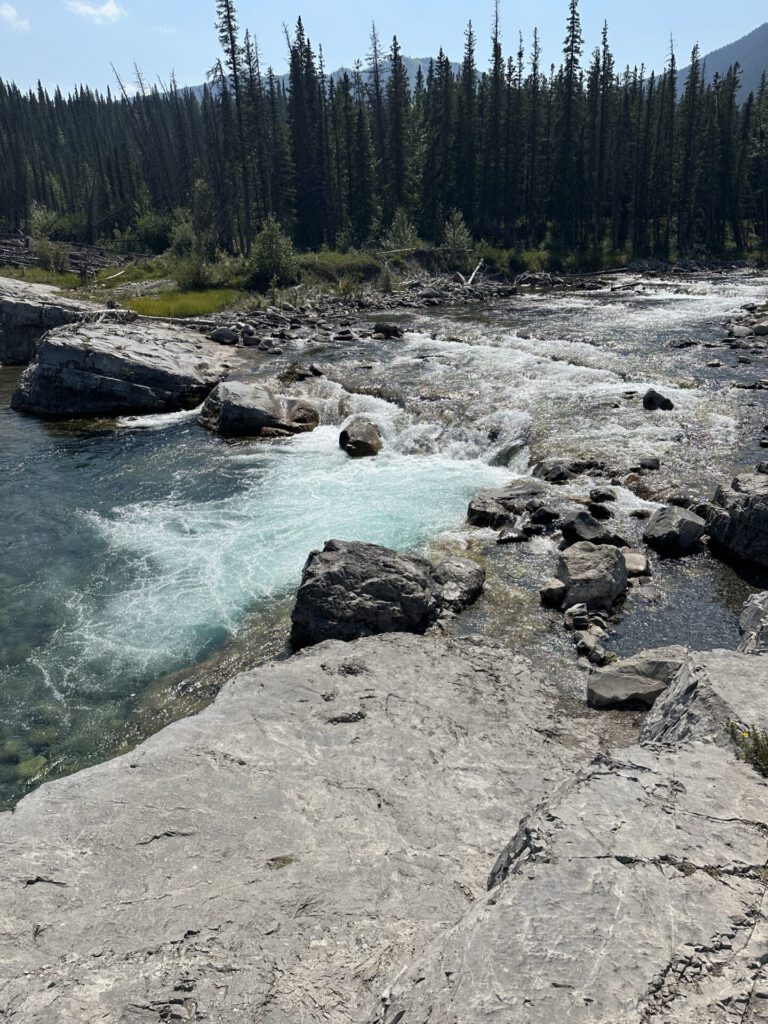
(360, 438)
(738, 521)
(674, 531)
(27, 311)
(754, 625)
(595, 575)
(236, 409)
(462, 582)
(114, 370)
(635, 683)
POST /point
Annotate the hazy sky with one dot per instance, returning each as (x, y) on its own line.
(73, 41)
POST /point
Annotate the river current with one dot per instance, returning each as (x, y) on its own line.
(144, 561)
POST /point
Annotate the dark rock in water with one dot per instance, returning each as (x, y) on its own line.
(388, 331)
(576, 617)
(224, 336)
(674, 531)
(738, 521)
(594, 575)
(297, 372)
(540, 514)
(361, 438)
(27, 311)
(512, 535)
(600, 512)
(763, 468)
(601, 495)
(501, 506)
(236, 409)
(637, 682)
(553, 594)
(114, 370)
(462, 581)
(651, 463)
(556, 471)
(581, 526)
(754, 625)
(653, 400)
(350, 590)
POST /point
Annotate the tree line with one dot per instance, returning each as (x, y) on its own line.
(579, 158)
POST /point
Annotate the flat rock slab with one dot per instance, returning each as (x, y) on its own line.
(27, 311)
(635, 894)
(276, 857)
(637, 682)
(117, 369)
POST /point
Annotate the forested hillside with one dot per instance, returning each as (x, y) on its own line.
(582, 158)
(750, 52)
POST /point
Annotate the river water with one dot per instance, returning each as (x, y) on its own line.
(145, 561)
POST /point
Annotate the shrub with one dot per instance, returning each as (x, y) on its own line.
(457, 242)
(753, 746)
(402, 234)
(153, 232)
(273, 259)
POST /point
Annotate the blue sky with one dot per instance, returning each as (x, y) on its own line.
(73, 41)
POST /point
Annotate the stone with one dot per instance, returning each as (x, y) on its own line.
(576, 617)
(462, 582)
(361, 438)
(738, 520)
(600, 495)
(237, 409)
(637, 563)
(674, 531)
(754, 625)
(635, 683)
(634, 893)
(498, 507)
(224, 336)
(711, 691)
(553, 594)
(763, 468)
(27, 311)
(389, 331)
(595, 575)
(582, 526)
(761, 329)
(600, 512)
(218, 871)
(105, 369)
(651, 463)
(654, 400)
(512, 534)
(556, 471)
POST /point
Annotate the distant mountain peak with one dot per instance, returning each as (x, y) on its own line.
(750, 52)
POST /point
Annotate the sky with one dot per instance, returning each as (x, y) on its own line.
(71, 42)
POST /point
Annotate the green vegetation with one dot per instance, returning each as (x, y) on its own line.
(753, 746)
(39, 275)
(183, 304)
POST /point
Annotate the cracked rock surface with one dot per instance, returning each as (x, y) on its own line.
(27, 311)
(275, 858)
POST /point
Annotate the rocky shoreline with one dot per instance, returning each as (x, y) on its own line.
(326, 841)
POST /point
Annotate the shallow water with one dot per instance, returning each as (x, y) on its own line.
(144, 560)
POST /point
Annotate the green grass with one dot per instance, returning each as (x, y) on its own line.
(145, 270)
(36, 275)
(328, 267)
(183, 304)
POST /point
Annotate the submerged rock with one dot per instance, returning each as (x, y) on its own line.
(361, 438)
(112, 370)
(27, 311)
(582, 526)
(738, 520)
(350, 590)
(754, 625)
(594, 575)
(635, 683)
(498, 507)
(236, 409)
(674, 531)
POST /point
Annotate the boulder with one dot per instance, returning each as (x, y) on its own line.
(388, 330)
(754, 625)
(556, 471)
(711, 692)
(218, 871)
(499, 507)
(635, 683)
(108, 369)
(225, 336)
(674, 531)
(601, 495)
(637, 563)
(553, 594)
(350, 590)
(360, 438)
(582, 526)
(654, 400)
(27, 311)
(738, 520)
(594, 575)
(237, 409)
(633, 893)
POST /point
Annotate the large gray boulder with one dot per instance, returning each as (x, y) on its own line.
(711, 693)
(754, 625)
(360, 438)
(594, 575)
(114, 370)
(237, 409)
(350, 590)
(500, 506)
(581, 526)
(674, 531)
(633, 894)
(738, 521)
(277, 857)
(27, 311)
(635, 683)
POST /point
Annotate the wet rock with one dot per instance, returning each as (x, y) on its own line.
(635, 683)
(556, 471)
(501, 506)
(236, 409)
(112, 370)
(27, 311)
(595, 575)
(553, 594)
(224, 336)
(674, 531)
(738, 520)
(576, 617)
(582, 526)
(601, 495)
(512, 535)
(349, 590)
(650, 463)
(462, 582)
(754, 625)
(361, 438)
(600, 512)
(654, 400)
(763, 468)
(388, 330)
(637, 563)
